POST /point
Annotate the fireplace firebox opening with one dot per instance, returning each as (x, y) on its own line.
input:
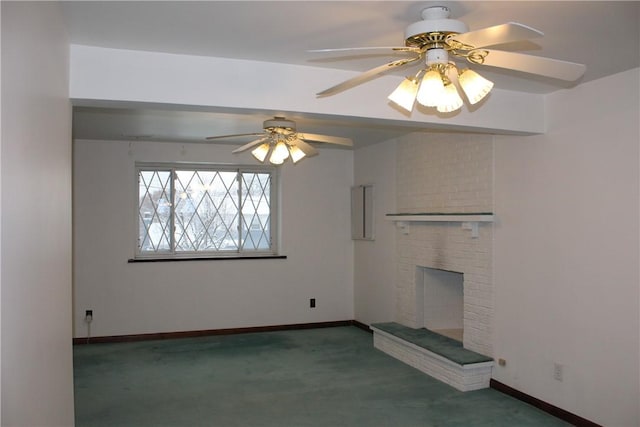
(440, 301)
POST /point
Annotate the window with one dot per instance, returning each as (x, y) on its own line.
(205, 210)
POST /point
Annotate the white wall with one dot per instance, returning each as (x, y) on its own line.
(374, 261)
(134, 298)
(37, 377)
(566, 253)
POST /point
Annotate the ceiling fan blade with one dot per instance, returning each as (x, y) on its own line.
(505, 33)
(368, 49)
(326, 138)
(235, 136)
(361, 78)
(307, 149)
(555, 68)
(251, 144)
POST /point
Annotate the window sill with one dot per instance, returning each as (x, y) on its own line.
(219, 258)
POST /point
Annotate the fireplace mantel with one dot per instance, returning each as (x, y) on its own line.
(442, 217)
(469, 220)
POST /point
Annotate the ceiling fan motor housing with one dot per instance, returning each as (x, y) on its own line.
(279, 123)
(435, 26)
(437, 56)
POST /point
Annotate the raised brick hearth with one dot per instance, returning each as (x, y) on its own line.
(435, 355)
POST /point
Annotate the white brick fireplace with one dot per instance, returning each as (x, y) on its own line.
(431, 248)
(452, 174)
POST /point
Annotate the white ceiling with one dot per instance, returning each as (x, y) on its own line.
(605, 36)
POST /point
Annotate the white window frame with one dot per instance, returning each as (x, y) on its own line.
(241, 252)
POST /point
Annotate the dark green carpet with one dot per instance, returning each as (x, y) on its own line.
(318, 377)
(436, 343)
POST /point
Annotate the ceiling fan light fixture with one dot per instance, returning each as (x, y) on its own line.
(261, 152)
(405, 94)
(275, 160)
(435, 39)
(450, 101)
(279, 141)
(431, 89)
(296, 153)
(475, 86)
(280, 153)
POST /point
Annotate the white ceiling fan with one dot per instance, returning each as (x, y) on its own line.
(280, 138)
(440, 41)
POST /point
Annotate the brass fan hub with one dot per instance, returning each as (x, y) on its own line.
(279, 125)
(432, 40)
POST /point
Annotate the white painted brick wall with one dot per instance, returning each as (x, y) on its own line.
(448, 173)
(445, 172)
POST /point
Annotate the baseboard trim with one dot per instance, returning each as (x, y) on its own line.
(542, 405)
(208, 332)
(362, 326)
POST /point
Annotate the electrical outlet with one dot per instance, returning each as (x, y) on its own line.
(312, 303)
(88, 316)
(558, 371)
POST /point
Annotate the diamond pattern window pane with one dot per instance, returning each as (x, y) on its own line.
(256, 211)
(154, 211)
(204, 210)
